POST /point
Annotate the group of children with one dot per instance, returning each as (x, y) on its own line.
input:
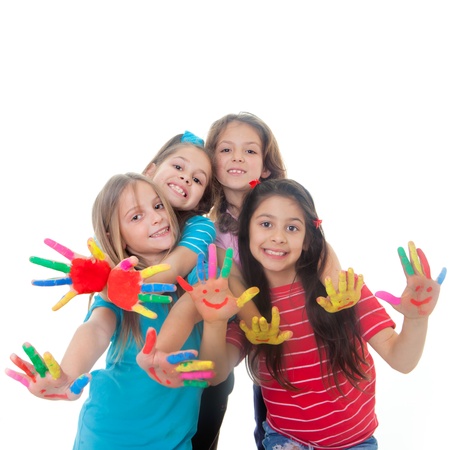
(314, 377)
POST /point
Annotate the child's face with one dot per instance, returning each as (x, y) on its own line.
(239, 157)
(277, 235)
(184, 176)
(144, 223)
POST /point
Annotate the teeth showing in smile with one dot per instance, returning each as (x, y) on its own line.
(177, 189)
(274, 253)
(236, 171)
(160, 233)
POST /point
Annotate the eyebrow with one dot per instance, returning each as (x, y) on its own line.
(189, 162)
(272, 216)
(245, 143)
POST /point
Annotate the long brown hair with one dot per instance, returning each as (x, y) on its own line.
(337, 335)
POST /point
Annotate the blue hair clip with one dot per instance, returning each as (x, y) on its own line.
(192, 138)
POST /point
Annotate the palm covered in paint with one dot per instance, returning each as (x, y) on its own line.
(211, 295)
(44, 378)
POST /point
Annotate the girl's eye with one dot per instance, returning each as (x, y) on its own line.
(178, 167)
(196, 180)
(159, 206)
(250, 151)
(292, 228)
(265, 224)
(225, 150)
(136, 217)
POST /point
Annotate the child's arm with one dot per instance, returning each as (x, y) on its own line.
(256, 328)
(178, 325)
(90, 341)
(403, 351)
(198, 233)
(332, 267)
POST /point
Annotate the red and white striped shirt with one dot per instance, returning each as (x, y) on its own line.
(317, 414)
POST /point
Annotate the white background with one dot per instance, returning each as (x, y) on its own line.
(357, 94)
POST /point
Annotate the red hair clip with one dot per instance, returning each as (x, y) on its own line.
(317, 223)
(254, 183)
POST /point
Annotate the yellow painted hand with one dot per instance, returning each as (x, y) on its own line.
(348, 294)
(263, 332)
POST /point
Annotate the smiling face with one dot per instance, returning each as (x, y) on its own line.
(144, 222)
(277, 236)
(239, 158)
(183, 176)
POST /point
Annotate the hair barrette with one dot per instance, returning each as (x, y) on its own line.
(317, 223)
(192, 139)
(254, 183)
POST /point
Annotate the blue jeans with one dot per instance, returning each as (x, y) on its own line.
(276, 441)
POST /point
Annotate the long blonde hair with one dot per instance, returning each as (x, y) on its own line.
(105, 220)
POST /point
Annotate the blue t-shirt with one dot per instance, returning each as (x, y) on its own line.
(126, 409)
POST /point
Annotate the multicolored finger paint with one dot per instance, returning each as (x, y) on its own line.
(86, 275)
(126, 290)
(36, 359)
(53, 367)
(79, 384)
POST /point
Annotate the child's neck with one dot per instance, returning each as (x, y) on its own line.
(235, 199)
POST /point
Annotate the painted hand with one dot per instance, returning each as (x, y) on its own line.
(44, 378)
(126, 288)
(85, 275)
(266, 333)
(421, 293)
(173, 369)
(348, 294)
(211, 295)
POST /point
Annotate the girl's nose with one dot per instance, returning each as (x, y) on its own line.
(156, 218)
(278, 236)
(185, 179)
(239, 157)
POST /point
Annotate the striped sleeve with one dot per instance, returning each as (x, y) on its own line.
(198, 233)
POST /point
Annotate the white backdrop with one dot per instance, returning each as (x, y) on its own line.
(357, 94)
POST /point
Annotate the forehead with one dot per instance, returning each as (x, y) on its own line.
(240, 131)
(137, 193)
(283, 208)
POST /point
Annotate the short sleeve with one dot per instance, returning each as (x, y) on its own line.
(198, 233)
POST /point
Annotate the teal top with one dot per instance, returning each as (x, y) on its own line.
(126, 409)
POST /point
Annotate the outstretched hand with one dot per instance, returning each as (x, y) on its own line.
(211, 295)
(348, 294)
(85, 275)
(126, 288)
(421, 293)
(263, 332)
(44, 378)
(173, 369)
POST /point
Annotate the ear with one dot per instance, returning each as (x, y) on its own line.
(265, 173)
(150, 171)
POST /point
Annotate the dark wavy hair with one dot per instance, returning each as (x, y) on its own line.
(272, 161)
(337, 335)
